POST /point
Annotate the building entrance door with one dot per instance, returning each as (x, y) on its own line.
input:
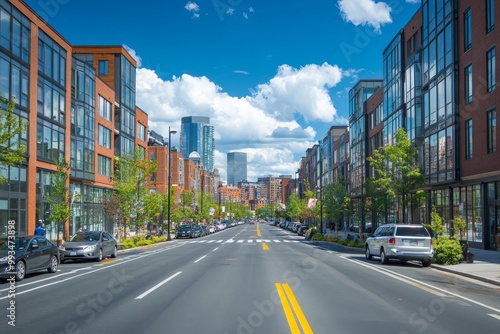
(493, 229)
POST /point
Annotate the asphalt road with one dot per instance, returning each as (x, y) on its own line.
(248, 279)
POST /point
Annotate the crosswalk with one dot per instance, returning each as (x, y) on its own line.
(240, 241)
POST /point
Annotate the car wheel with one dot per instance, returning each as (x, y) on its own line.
(426, 263)
(383, 258)
(53, 265)
(99, 256)
(20, 270)
(114, 252)
(368, 255)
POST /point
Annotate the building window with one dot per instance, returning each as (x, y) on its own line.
(103, 67)
(141, 132)
(468, 84)
(490, 15)
(468, 139)
(492, 131)
(467, 30)
(104, 166)
(104, 136)
(491, 70)
(104, 108)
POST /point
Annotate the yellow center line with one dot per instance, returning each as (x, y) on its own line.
(108, 262)
(298, 311)
(265, 246)
(294, 328)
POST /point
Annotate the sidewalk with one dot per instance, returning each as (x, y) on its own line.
(486, 265)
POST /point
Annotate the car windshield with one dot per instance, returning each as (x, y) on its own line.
(85, 236)
(412, 231)
(19, 243)
(185, 227)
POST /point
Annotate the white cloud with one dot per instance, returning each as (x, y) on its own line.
(194, 8)
(301, 91)
(230, 11)
(365, 12)
(264, 125)
(413, 1)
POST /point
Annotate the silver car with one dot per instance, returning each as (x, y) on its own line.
(400, 241)
(89, 245)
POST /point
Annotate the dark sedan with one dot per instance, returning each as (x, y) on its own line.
(90, 245)
(23, 255)
(184, 231)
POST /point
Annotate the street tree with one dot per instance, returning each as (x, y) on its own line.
(334, 200)
(59, 198)
(294, 207)
(397, 173)
(130, 181)
(12, 127)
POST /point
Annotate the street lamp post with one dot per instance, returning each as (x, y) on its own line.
(170, 132)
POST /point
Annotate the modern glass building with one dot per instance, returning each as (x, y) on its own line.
(197, 135)
(236, 167)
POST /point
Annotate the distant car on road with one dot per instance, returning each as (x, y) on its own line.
(94, 245)
(400, 241)
(31, 254)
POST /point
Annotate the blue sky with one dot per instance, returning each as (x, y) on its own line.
(273, 75)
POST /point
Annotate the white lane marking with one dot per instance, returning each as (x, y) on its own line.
(403, 278)
(158, 285)
(240, 241)
(276, 240)
(219, 241)
(86, 273)
(201, 258)
(216, 248)
(229, 241)
(496, 316)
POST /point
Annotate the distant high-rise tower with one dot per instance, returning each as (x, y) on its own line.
(197, 135)
(236, 167)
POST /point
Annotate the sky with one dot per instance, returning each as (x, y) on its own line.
(272, 75)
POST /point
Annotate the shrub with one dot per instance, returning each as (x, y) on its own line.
(447, 251)
(128, 243)
(318, 237)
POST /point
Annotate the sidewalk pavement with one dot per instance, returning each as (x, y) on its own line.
(486, 265)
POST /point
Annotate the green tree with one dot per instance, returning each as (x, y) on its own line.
(334, 199)
(397, 173)
(59, 198)
(129, 180)
(12, 150)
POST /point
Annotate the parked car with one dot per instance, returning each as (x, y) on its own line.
(302, 230)
(400, 241)
(31, 254)
(197, 231)
(94, 245)
(184, 231)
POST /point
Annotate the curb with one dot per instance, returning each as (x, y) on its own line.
(461, 273)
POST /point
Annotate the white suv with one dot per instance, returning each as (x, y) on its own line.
(400, 241)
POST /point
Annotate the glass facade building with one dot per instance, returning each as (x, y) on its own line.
(197, 135)
(236, 167)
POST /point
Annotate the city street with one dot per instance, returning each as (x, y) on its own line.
(248, 279)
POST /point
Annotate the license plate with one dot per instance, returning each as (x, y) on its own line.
(72, 253)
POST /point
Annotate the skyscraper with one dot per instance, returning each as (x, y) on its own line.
(236, 167)
(197, 135)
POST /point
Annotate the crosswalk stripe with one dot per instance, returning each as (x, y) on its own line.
(240, 241)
